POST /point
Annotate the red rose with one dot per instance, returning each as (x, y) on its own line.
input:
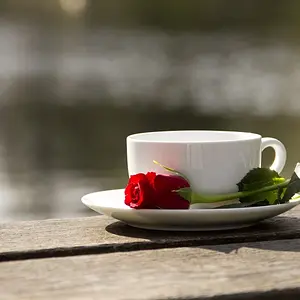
(139, 192)
(155, 191)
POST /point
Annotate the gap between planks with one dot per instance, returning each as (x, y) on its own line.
(97, 235)
(260, 270)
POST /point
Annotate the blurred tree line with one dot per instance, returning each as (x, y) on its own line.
(45, 135)
(257, 16)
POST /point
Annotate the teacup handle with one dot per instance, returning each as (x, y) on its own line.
(280, 153)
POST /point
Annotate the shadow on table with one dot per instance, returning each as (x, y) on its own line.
(257, 236)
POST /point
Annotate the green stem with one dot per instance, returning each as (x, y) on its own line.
(199, 198)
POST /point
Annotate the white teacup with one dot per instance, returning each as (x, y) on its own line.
(213, 161)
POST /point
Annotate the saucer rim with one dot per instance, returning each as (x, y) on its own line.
(290, 203)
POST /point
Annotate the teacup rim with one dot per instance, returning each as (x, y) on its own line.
(137, 137)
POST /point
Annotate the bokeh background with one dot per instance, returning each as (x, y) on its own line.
(78, 76)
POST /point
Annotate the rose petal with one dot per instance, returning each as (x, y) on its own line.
(165, 196)
(151, 177)
(139, 192)
(137, 178)
(169, 182)
(173, 201)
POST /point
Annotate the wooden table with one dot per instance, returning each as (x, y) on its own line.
(99, 258)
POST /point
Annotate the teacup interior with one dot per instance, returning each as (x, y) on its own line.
(193, 136)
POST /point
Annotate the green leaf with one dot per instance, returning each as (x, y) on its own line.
(258, 178)
(171, 170)
(185, 193)
(293, 186)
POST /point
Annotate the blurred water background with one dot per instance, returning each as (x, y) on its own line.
(78, 76)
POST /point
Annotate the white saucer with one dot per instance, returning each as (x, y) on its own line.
(111, 203)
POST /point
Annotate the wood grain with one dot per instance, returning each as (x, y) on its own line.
(39, 239)
(261, 270)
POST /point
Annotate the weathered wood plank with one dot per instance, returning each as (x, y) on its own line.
(261, 270)
(102, 234)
